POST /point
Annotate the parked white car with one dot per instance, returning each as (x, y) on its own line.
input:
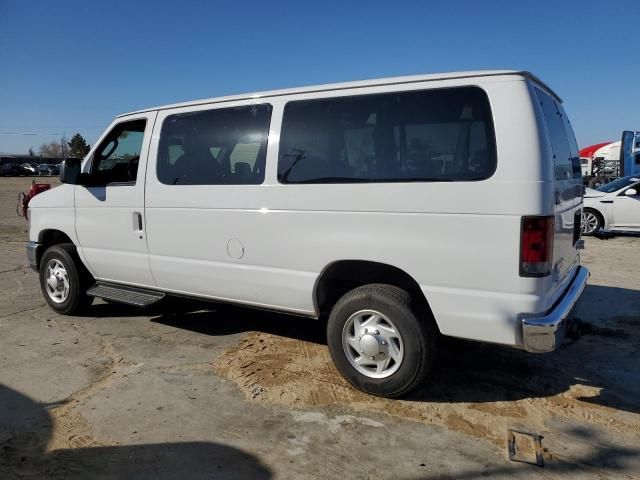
(31, 167)
(397, 210)
(614, 206)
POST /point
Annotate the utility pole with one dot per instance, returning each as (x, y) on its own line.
(63, 145)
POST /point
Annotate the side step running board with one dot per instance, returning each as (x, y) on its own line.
(124, 294)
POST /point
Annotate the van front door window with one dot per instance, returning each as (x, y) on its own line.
(116, 159)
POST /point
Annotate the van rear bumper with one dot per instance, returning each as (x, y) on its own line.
(544, 333)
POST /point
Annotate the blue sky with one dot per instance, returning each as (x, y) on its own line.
(70, 66)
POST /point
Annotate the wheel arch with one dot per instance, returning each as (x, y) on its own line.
(341, 276)
(601, 213)
(48, 238)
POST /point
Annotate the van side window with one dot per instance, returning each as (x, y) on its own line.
(225, 146)
(117, 157)
(574, 150)
(566, 158)
(429, 135)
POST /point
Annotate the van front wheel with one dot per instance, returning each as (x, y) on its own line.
(378, 342)
(63, 280)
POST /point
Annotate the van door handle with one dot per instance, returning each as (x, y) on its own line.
(137, 221)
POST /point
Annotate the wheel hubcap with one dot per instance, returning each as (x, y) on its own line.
(372, 343)
(589, 222)
(57, 281)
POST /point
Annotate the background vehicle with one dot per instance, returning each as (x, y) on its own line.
(605, 162)
(31, 167)
(48, 169)
(364, 203)
(602, 163)
(13, 170)
(585, 165)
(586, 158)
(613, 206)
(630, 152)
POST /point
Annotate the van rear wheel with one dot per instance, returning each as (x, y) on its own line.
(378, 342)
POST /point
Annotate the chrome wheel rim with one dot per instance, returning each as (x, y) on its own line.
(373, 344)
(589, 222)
(56, 281)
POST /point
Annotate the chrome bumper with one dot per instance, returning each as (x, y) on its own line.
(544, 333)
(33, 251)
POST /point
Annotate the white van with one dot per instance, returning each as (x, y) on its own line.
(398, 209)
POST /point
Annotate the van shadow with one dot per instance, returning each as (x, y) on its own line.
(26, 427)
(606, 356)
(218, 319)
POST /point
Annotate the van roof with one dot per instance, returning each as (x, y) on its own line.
(347, 85)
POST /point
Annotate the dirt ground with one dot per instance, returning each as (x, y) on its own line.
(210, 391)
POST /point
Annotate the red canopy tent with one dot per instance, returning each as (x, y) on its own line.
(589, 151)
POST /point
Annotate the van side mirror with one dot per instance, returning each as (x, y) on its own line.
(631, 192)
(88, 180)
(70, 170)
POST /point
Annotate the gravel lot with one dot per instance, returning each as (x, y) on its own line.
(208, 391)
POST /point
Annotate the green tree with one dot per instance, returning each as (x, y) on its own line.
(78, 146)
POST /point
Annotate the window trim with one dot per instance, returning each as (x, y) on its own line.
(491, 137)
(93, 160)
(216, 107)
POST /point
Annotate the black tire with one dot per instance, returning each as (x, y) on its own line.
(79, 279)
(596, 182)
(589, 213)
(417, 329)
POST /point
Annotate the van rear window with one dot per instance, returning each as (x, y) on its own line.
(566, 157)
(419, 136)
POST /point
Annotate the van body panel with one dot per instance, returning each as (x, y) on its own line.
(267, 244)
(110, 243)
(458, 240)
(562, 159)
(360, 84)
(53, 209)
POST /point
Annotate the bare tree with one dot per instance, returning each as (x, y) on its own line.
(51, 149)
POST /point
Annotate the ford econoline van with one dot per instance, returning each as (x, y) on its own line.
(398, 210)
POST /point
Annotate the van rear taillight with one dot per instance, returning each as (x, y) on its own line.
(536, 246)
